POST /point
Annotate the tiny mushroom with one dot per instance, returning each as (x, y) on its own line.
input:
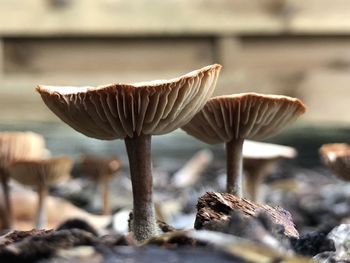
(101, 170)
(134, 112)
(259, 161)
(16, 146)
(231, 119)
(336, 156)
(42, 174)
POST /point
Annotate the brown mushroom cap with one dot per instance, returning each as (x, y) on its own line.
(98, 166)
(20, 145)
(336, 156)
(116, 111)
(49, 172)
(243, 116)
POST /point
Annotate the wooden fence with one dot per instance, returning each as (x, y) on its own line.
(293, 47)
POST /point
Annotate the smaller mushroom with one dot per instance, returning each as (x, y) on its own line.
(42, 174)
(16, 146)
(336, 156)
(231, 119)
(259, 161)
(102, 170)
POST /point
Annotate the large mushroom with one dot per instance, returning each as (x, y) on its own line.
(41, 174)
(231, 119)
(336, 156)
(134, 112)
(16, 146)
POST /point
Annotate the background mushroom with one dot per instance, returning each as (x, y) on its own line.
(336, 156)
(231, 119)
(16, 146)
(41, 174)
(101, 170)
(134, 112)
(260, 160)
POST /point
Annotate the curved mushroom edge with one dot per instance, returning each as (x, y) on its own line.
(72, 90)
(238, 96)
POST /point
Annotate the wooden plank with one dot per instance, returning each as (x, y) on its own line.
(47, 56)
(173, 17)
(138, 17)
(318, 16)
(301, 67)
(326, 94)
(272, 65)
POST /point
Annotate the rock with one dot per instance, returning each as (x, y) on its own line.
(312, 244)
(341, 238)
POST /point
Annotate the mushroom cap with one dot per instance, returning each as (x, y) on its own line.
(46, 171)
(97, 167)
(243, 116)
(116, 111)
(267, 151)
(336, 156)
(20, 145)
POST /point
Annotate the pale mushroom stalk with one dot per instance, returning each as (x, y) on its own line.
(139, 153)
(253, 182)
(104, 186)
(234, 164)
(40, 221)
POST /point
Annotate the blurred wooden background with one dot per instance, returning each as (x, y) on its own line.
(293, 47)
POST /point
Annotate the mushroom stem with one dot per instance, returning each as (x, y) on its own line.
(7, 216)
(41, 211)
(105, 195)
(234, 166)
(253, 182)
(139, 153)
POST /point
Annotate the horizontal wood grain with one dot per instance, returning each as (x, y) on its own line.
(173, 17)
(85, 56)
(140, 17)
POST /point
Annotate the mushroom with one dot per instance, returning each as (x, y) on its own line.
(336, 156)
(134, 112)
(231, 119)
(42, 174)
(259, 161)
(15, 146)
(101, 170)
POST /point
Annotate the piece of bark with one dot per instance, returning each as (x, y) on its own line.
(217, 208)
